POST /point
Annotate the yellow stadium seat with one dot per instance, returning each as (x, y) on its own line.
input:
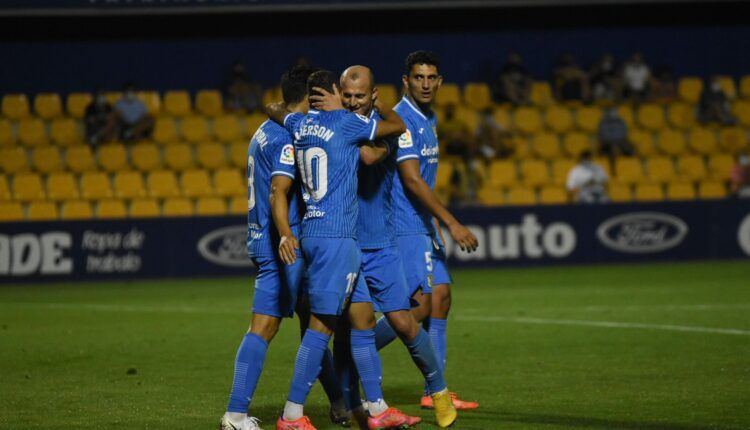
(588, 118)
(733, 139)
(62, 186)
(46, 159)
(691, 168)
(520, 147)
(272, 95)
(178, 206)
(469, 117)
(28, 187)
(113, 157)
(15, 106)
(226, 128)
(626, 113)
(387, 94)
(32, 132)
(620, 193)
(745, 87)
(96, 186)
(179, 156)
(144, 208)
(253, 122)
(65, 132)
(553, 196)
(111, 209)
(196, 183)
(129, 185)
(690, 89)
(521, 196)
(660, 169)
(681, 115)
(208, 103)
(229, 182)
(502, 173)
(527, 120)
(502, 116)
(702, 141)
(545, 145)
(649, 193)
(541, 93)
(603, 162)
(42, 211)
(671, 142)
(11, 211)
(79, 158)
(575, 143)
(680, 191)
(145, 157)
(76, 210)
(238, 154)
(491, 196)
(651, 117)
(162, 183)
(628, 170)
(477, 95)
(534, 173)
(560, 169)
(113, 96)
(720, 166)
(177, 103)
(444, 174)
(14, 160)
(7, 135)
(165, 130)
(211, 155)
(48, 105)
(642, 141)
(558, 119)
(712, 190)
(4, 189)
(741, 109)
(210, 206)
(76, 104)
(728, 86)
(448, 94)
(194, 129)
(152, 100)
(238, 205)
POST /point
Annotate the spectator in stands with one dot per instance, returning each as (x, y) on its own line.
(663, 86)
(636, 76)
(613, 135)
(570, 80)
(240, 93)
(100, 120)
(459, 151)
(492, 138)
(714, 104)
(605, 81)
(513, 82)
(587, 181)
(133, 118)
(740, 180)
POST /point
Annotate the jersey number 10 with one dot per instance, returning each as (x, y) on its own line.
(313, 166)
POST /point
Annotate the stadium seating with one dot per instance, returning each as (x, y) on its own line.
(628, 170)
(161, 184)
(238, 205)
(620, 193)
(165, 130)
(643, 142)
(196, 183)
(720, 166)
(27, 187)
(76, 210)
(680, 191)
(144, 208)
(702, 141)
(76, 104)
(210, 206)
(229, 182)
(649, 193)
(208, 103)
(546, 145)
(733, 139)
(177, 206)
(79, 159)
(178, 157)
(477, 95)
(521, 196)
(553, 195)
(7, 135)
(534, 173)
(15, 106)
(194, 129)
(62, 186)
(65, 132)
(95, 186)
(32, 132)
(689, 89)
(576, 143)
(388, 94)
(541, 93)
(254, 121)
(177, 103)
(4, 189)
(46, 159)
(226, 128)
(502, 173)
(560, 169)
(691, 168)
(48, 106)
(238, 154)
(651, 117)
(527, 120)
(588, 118)
(558, 119)
(11, 211)
(491, 196)
(660, 170)
(681, 115)
(152, 100)
(712, 190)
(145, 157)
(211, 155)
(129, 185)
(449, 94)
(42, 211)
(111, 208)
(671, 142)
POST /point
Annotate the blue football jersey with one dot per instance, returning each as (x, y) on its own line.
(271, 153)
(374, 226)
(420, 143)
(327, 153)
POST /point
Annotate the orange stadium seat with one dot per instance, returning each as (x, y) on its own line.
(111, 209)
(226, 128)
(521, 196)
(527, 120)
(558, 119)
(76, 210)
(42, 211)
(660, 169)
(95, 186)
(229, 182)
(491, 196)
(196, 183)
(210, 206)
(534, 173)
(238, 154)
(76, 104)
(209, 103)
(144, 208)
(211, 155)
(681, 115)
(502, 173)
(689, 89)
(113, 157)
(46, 159)
(448, 94)
(145, 157)
(720, 167)
(649, 193)
(7, 135)
(4, 189)
(27, 187)
(733, 139)
(253, 122)
(651, 117)
(152, 100)
(642, 141)
(177, 103)
(32, 132)
(553, 195)
(575, 143)
(702, 141)
(672, 142)
(62, 186)
(65, 132)
(477, 95)
(79, 158)
(712, 190)
(388, 94)
(620, 193)
(15, 106)
(178, 156)
(545, 145)
(165, 130)
(541, 93)
(560, 169)
(162, 183)
(48, 105)
(11, 211)
(194, 129)
(628, 170)
(691, 168)
(177, 206)
(14, 160)
(238, 205)
(588, 118)
(129, 185)
(680, 191)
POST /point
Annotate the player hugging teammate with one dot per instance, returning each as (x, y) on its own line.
(362, 241)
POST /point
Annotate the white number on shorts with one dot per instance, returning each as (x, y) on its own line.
(350, 279)
(313, 164)
(250, 182)
(428, 260)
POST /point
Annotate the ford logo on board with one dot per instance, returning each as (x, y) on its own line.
(642, 232)
(226, 247)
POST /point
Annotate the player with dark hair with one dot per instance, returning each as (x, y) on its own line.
(327, 155)
(414, 206)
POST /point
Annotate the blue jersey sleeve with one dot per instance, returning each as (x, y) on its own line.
(282, 158)
(358, 127)
(406, 149)
(292, 120)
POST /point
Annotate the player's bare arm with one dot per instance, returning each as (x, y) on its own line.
(373, 152)
(391, 124)
(280, 186)
(410, 175)
(277, 112)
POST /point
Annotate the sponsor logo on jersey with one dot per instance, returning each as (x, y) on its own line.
(226, 246)
(404, 141)
(287, 155)
(642, 232)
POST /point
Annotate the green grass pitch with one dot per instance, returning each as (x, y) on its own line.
(658, 346)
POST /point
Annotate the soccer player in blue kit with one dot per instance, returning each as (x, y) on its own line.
(415, 205)
(327, 152)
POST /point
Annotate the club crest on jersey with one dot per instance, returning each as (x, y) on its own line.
(404, 141)
(287, 155)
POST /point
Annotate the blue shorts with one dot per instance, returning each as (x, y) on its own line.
(440, 273)
(332, 269)
(416, 260)
(277, 286)
(383, 274)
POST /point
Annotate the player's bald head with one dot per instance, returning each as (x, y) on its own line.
(359, 74)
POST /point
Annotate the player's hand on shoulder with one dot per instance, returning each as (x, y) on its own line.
(464, 237)
(326, 101)
(287, 249)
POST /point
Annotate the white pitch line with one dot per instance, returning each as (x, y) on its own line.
(605, 324)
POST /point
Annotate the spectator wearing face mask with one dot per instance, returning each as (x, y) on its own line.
(713, 106)
(133, 118)
(100, 120)
(740, 180)
(587, 181)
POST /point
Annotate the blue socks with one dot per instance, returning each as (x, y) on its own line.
(247, 368)
(346, 372)
(424, 357)
(307, 365)
(367, 360)
(384, 334)
(328, 378)
(438, 338)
